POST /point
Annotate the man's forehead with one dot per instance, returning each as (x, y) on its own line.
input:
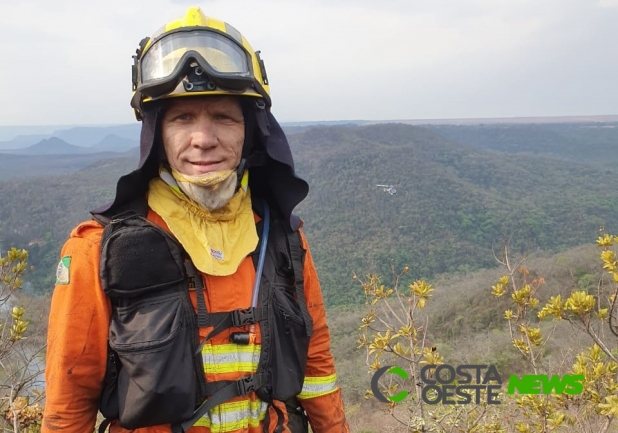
(203, 101)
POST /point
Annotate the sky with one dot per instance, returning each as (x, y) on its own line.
(68, 62)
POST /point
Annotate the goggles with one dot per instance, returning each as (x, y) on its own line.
(208, 58)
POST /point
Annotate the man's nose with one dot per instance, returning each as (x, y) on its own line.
(204, 134)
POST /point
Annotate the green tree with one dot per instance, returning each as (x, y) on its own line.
(394, 332)
(591, 314)
(20, 352)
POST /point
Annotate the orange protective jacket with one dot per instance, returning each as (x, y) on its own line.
(77, 349)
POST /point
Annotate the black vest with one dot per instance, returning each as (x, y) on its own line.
(155, 373)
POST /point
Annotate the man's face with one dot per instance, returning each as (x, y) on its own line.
(203, 134)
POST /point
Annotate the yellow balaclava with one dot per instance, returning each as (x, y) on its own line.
(213, 223)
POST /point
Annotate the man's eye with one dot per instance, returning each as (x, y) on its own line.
(225, 117)
(182, 116)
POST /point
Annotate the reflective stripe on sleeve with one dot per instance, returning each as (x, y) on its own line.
(234, 416)
(317, 386)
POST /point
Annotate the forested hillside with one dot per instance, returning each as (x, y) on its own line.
(583, 142)
(453, 203)
(38, 213)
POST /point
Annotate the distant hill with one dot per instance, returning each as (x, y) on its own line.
(56, 146)
(90, 136)
(86, 136)
(453, 203)
(50, 146)
(115, 143)
(22, 141)
(11, 132)
(82, 136)
(43, 166)
(536, 120)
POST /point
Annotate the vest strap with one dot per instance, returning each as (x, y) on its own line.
(203, 319)
(232, 389)
(297, 265)
(104, 424)
(235, 318)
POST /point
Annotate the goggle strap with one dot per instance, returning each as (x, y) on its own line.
(134, 72)
(136, 57)
(262, 68)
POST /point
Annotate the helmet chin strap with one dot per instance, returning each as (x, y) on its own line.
(239, 172)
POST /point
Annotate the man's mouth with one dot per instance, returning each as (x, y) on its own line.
(204, 163)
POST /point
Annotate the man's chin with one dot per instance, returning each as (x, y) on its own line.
(211, 197)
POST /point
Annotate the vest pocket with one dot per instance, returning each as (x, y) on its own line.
(157, 382)
(291, 343)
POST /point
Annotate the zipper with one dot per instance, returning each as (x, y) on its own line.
(290, 317)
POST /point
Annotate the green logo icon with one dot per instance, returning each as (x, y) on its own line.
(376, 389)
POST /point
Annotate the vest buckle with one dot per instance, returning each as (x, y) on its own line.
(246, 385)
(243, 317)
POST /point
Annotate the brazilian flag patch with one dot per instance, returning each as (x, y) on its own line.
(62, 273)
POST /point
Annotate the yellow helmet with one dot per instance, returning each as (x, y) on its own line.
(197, 55)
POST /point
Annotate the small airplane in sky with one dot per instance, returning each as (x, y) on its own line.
(388, 188)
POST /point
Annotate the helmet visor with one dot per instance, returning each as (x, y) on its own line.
(221, 58)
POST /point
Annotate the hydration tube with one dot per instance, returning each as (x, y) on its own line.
(262, 256)
(245, 338)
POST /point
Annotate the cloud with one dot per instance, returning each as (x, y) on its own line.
(608, 3)
(326, 59)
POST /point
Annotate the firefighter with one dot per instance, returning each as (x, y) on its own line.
(191, 303)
